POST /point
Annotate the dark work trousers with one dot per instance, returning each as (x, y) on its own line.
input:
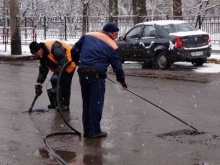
(93, 93)
(65, 87)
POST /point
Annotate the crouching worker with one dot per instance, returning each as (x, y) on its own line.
(53, 55)
(94, 52)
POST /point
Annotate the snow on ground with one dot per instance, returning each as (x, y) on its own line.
(206, 68)
(215, 46)
(5, 51)
(215, 56)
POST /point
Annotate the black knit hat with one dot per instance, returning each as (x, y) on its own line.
(110, 27)
(34, 47)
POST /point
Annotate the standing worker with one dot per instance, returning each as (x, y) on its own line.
(93, 53)
(53, 55)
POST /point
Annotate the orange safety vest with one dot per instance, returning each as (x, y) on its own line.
(68, 47)
(104, 38)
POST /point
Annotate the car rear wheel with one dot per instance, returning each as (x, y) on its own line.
(199, 62)
(162, 61)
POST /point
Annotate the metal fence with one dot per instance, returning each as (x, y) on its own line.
(72, 27)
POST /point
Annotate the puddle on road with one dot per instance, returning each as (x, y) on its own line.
(68, 156)
(180, 133)
(93, 159)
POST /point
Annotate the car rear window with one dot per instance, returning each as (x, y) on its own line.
(183, 27)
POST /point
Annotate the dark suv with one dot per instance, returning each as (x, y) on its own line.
(163, 42)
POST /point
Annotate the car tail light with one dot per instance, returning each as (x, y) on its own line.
(178, 42)
(208, 39)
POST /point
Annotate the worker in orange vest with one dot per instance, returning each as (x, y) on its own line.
(53, 55)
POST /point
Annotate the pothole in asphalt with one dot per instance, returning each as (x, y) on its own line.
(38, 111)
(180, 133)
(211, 141)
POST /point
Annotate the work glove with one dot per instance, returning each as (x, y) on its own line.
(54, 79)
(124, 84)
(38, 89)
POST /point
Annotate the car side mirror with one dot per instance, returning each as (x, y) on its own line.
(121, 38)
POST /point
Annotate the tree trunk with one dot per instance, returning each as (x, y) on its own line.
(15, 28)
(139, 9)
(113, 10)
(177, 9)
(85, 23)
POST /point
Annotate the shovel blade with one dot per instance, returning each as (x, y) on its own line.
(30, 109)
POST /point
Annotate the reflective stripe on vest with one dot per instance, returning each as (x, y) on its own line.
(104, 38)
(68, 47)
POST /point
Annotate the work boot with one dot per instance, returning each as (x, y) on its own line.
(100, 135)
(50, 106)
(85, 135)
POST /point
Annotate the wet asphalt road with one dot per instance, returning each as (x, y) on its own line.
(138, 132)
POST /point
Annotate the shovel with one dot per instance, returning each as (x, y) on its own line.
(32, 105)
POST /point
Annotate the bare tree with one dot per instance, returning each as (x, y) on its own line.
(5, 12)
(85, 16)
(125, 7)
(113, 9)
(203, 7)
(177, 9)
(139, 8)
(15, 28)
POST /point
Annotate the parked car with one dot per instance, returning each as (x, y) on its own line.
(161, 43)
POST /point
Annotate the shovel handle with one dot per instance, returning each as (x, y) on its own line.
(35, 98)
